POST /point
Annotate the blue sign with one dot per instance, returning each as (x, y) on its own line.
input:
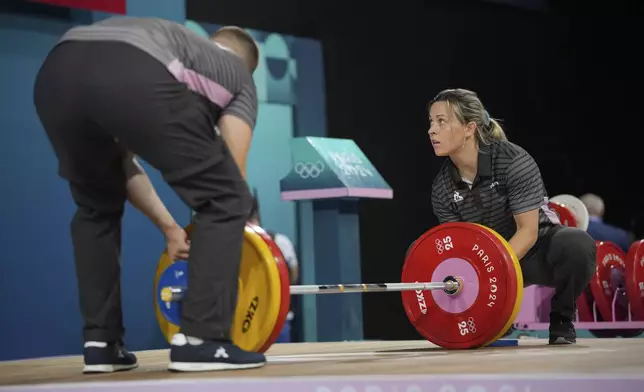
(331, 168)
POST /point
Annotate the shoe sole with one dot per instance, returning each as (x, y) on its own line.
(108, 368)
(210, 366)
(561, 341)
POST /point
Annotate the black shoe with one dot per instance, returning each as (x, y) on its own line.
(562, 331)
(101, 357)
(210, 355)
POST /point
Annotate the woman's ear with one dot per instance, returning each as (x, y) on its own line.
(470, 128)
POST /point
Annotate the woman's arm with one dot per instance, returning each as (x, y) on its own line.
(526, 234)
(526, 195)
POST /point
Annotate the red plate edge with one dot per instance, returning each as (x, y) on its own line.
(604, 305)
(635, 255)
(565, 214)
(285, 287)
(511, 289)
(584, 308)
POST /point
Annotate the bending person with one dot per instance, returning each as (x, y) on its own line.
(491, 181)
(187, 105)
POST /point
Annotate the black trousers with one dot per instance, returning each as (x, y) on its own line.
(88, 95)
(564, 259)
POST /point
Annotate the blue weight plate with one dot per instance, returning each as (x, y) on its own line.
(175, 275)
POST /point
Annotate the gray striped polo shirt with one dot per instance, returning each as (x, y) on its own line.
(508, 182)
(204, 66)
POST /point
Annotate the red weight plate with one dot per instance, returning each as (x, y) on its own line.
(609, 277)
(635, 279)
(480, 312)
(584, 308)
(566, 216)
(111, 6)
(285, 287)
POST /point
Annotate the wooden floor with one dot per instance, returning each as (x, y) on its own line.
(588, 356)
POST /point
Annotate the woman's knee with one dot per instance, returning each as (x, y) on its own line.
(575, 246)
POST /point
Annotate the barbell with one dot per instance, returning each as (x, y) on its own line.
(451, 286)
(461, 285)
(461, 288)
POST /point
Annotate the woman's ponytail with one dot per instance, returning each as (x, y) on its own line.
(495, 131)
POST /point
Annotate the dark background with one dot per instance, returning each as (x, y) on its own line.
(564, 79)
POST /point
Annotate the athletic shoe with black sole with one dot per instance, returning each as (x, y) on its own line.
(562, 331)
(101, 357)
(195, 355)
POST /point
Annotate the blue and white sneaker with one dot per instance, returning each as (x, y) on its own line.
(101, 357)
(188, 354)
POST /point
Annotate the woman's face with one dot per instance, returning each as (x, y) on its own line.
(446, 133)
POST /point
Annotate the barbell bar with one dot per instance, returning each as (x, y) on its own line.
(451, 285)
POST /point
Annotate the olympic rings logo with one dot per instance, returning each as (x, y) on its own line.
(309, 169)
(470, 325)
(439, 246)
(467, 326)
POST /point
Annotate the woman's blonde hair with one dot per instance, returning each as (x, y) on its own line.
(467, 107)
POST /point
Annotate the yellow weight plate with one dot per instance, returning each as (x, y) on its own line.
(258, 294)
(167, 328)
(258, 303)
(517, 269)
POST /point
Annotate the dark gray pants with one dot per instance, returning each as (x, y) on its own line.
(565, 259)
(87, 94)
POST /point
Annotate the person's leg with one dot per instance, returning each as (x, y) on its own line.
(91, 162)
(173, 129)
(96, 237)
(221, 200)
(563, 260)
(572, 257)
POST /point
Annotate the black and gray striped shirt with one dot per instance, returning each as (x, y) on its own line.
(508, 183)
(204, 66)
